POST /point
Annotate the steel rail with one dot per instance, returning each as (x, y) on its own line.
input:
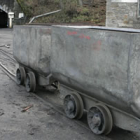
(6, 53)
(8, 72)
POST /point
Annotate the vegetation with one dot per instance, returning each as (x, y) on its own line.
(89, 12)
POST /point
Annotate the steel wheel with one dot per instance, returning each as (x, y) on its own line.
(30, 82)
(20, 75)
(100, 119)
(73, 106)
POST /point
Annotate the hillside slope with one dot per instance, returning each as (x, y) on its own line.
(73, 11)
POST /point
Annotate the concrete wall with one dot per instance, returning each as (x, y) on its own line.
(122, 14)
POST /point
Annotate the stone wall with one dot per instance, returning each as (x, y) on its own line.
(10, 6)
(122, 14)
(7, 5)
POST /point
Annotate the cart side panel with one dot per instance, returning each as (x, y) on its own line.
(134, 73)
(94, 62)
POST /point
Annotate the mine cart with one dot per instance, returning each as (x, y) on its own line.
(96, 69)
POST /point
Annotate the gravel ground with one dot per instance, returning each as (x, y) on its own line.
(40, 122)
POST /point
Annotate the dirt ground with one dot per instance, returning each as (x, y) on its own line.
(41, 122)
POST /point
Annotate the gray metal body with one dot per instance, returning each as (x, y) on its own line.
(32, 47)
(99, 62)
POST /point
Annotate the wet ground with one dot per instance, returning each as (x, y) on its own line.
(41, 121)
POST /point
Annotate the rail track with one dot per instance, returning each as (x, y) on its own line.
(42, 96)
(8, 54)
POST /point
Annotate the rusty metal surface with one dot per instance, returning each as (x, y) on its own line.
(32, 46)
(99, 62)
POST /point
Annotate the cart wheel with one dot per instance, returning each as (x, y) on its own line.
(100, 119)
(30, 82)
(20, 75)
(73, 106)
